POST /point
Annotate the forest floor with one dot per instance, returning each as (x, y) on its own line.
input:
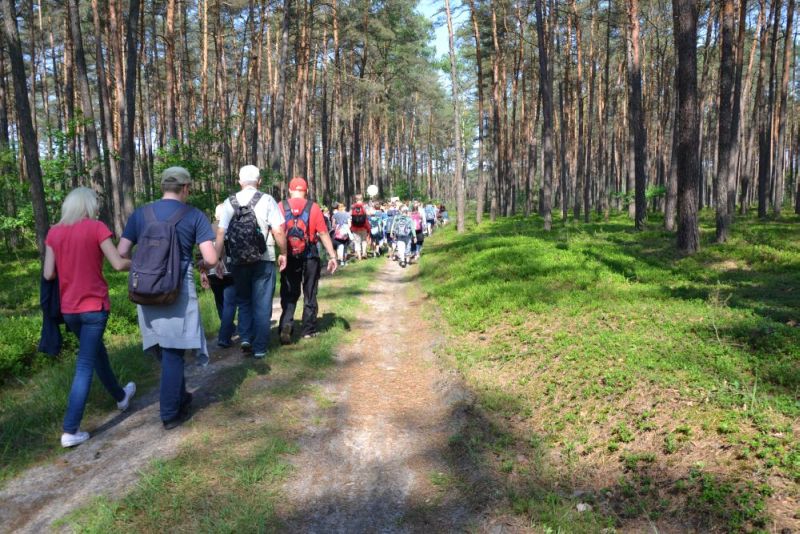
(588, 380)
(366, 444)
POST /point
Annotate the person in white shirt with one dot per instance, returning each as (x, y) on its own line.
(254, 280)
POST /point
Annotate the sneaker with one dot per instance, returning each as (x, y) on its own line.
(71, 440)
(260, 355)
(286, 334)
(246, 346)
(309, 336)
(183, 413)
(403, 264)
(224, 344)
(130, 390)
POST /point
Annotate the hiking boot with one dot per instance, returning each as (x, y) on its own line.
(286, 334)
(71, 440)
(130, 390)
(246, 346)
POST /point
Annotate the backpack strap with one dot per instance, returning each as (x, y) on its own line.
(307, 212)
(234, 202)
(253, 201)
(179, 214)
(149, 214)
(287, 209)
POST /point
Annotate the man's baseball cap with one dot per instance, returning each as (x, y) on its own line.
(175, 175)
(298, 184)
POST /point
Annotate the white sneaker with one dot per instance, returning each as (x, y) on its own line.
(70, 440)
(130, 390)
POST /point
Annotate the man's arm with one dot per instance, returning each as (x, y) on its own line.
(328, 244)
(280, 240)
(209, 254)
(219, 241)
(124, 247)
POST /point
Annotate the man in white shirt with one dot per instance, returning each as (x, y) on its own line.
(255, 280)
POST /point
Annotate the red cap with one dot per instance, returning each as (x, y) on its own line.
(298, 184)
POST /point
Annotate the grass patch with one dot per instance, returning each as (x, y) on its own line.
(609, 343)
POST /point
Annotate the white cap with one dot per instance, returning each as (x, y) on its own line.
(249, 174)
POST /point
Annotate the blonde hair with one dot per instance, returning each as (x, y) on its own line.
(81, 203)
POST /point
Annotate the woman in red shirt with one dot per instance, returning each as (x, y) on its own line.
(74, 252)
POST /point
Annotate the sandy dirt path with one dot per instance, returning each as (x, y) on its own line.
(376, 461)
(110, 463)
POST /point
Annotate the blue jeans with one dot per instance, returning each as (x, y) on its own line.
(92, 356)
(255, 287)
(173, 384)
(225, 299)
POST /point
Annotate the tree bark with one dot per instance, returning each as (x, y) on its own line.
(726, 134)
(546, 90)
(684, 15)
(636, 116)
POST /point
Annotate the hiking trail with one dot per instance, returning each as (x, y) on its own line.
(375, 460)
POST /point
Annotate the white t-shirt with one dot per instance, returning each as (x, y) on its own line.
(268, 215)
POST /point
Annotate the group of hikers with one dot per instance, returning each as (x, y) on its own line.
(395, 227)
(237, 260)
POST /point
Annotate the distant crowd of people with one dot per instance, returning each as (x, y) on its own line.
(237, 260)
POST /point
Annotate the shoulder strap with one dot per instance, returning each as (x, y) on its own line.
(253, 201)
(287, 209)
(307, 210)
(234, 202)
(179, 214)
(149, 214)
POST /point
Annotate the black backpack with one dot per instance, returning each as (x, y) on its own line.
(297, 238)
(244, 241)
(156, 275)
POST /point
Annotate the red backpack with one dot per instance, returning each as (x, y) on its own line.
(297, 238)
(358, 215)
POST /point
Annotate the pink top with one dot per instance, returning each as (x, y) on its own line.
(79, 265)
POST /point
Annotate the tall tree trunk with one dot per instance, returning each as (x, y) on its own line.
(280, 97)
(781, 111)
(171, 89)
(90, 131)
(128, 104)
(27, 133)
(480, 193)
(546, 90)
(639, 134)
(684, 15)
(459, 178)
(765, 130)
(726, 134)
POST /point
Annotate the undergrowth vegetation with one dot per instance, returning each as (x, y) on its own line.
(624, 379)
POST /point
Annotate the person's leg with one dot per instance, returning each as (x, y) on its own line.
(89, 328)
(401, 250)
(263, 289)
(340, 251)
(226, 325)
(291, 283)
(311, 274)
(218, 289)
(357, 244)
(173, 385)
(243, 281)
